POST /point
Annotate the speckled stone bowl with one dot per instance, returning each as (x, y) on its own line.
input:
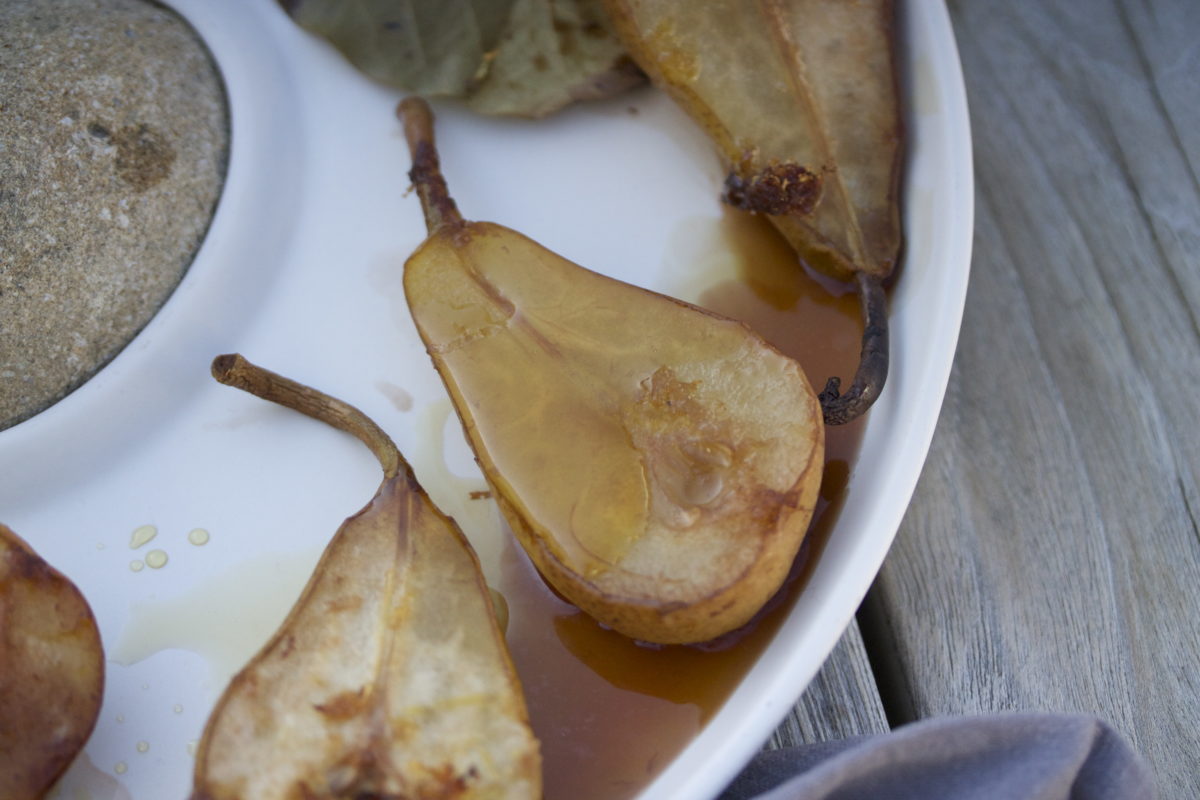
(114, 138)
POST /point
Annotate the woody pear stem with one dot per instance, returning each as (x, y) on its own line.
(234, 370)
(426, 173)
(837, 408)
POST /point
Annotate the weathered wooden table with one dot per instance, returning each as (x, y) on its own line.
(1050, 560)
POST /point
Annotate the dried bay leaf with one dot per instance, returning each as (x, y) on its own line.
(553, 54)
(430, 46)
(509, 57)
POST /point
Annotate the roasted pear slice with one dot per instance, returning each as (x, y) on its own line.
(657, 462)
(51, 671)
(390, 677)
(801, 99)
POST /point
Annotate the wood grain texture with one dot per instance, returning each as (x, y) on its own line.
(842, 701)
(1050, 559)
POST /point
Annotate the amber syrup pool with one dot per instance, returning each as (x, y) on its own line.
(611, 713)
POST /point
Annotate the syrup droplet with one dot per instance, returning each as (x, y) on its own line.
(714, 454)
(198, 536)
(703, 487)
(500, 604)
(141, 535)
(136, 566)
(401, 399)
(120, 717)
(156, 559)
(191, 747)
(143, 747)
(706, 464)
(120, 767)
(178, 709)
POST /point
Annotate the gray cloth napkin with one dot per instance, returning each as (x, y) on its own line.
(994, 757)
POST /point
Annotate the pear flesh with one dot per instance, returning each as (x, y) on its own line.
(657, 462)
(51, 671)
(801, 99)
(390, 677)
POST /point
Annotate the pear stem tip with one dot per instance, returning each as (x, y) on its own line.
(232, 369)
(840, 408)
(426, 173)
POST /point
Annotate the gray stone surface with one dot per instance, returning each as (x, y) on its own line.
(114, 138)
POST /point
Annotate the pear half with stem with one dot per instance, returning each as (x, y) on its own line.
(657, 462)
(51, 671)
(390, 677)
(801, 99)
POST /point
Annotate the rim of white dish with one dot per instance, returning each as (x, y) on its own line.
(939, 173)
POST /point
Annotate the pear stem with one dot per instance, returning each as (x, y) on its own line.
(426, 173)
(837, 408)
(234, 370)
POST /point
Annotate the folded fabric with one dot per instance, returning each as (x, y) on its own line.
(993, 757)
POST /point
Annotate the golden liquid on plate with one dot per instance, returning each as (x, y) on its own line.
(610, 713)
(141, 535)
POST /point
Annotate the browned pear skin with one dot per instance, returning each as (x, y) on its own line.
(658, 463)
(390, 677)
(51, 671)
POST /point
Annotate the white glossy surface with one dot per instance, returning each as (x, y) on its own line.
(301, 272)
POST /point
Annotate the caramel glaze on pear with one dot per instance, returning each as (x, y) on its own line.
(658, 463)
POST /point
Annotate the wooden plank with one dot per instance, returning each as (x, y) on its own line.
(1051, 557)
(842, 701)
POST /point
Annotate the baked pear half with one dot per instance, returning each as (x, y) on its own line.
(658, 463)
(390, 678)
